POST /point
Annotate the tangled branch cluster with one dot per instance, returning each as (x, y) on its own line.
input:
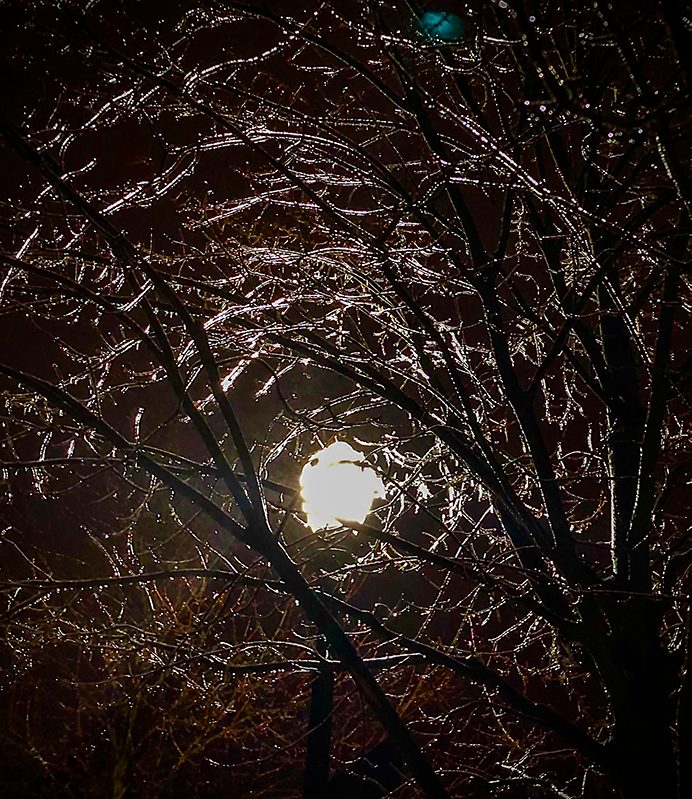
(239, 232)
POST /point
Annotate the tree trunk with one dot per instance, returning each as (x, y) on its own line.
(644, 757)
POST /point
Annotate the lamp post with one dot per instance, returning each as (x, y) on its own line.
(319, 730)
(334, 483)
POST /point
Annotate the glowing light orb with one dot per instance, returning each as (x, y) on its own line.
(335, 484)
(442, 25)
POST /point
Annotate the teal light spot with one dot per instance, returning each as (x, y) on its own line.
(442, 25)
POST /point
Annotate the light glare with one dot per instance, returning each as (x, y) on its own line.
(336, 485)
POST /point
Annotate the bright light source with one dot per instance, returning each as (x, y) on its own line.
(335, 484)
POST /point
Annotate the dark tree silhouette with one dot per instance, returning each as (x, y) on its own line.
(454, 236)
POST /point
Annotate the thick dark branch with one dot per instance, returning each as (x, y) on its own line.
(646, 487)
(274, 551)
(473, 668)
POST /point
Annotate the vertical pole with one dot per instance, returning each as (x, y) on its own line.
(319, 732)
